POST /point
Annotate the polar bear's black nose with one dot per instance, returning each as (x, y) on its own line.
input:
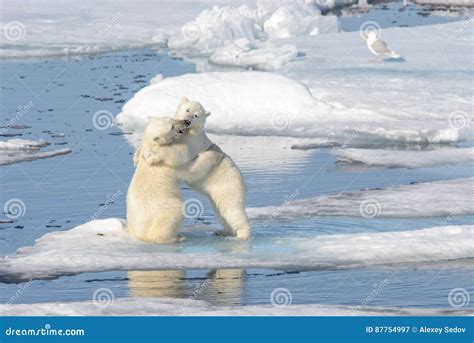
(187, 122)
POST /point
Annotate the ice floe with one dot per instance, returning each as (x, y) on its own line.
(438, 198)
(259, 105)
(33, 30)
(22, 150)
(242, 53)
(405, 158)
(138, 306)
(47, 28)
(272, 104)
(467, 3)
(217, 27)
(104, 245)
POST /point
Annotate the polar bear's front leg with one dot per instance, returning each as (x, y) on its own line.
(203, 164)
(151, 157)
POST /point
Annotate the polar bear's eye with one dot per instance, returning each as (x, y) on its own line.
(187, 110)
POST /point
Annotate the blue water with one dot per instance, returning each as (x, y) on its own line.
(66, 191)
(398, 14)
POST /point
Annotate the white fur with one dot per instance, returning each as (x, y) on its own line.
(223, 185)
(154, 199)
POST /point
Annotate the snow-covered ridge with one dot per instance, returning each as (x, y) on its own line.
(216, 33)
(195, 28)
(244, 54)
(142, 306)
(22, 150)
(103, 245)
(272, 104)
(41, 28)
(414, 200)
(407, 159)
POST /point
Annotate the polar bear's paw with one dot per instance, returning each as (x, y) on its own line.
(223, 233)
(149, 156)
(243, 234)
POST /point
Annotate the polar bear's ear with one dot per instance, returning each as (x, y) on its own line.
(184, 99)
(207, 113)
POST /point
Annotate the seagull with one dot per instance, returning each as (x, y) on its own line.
(378, 47)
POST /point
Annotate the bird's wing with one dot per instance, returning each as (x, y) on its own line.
(380, 47)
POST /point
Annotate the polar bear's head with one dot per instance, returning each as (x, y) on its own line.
(193, 114)
(163, 131)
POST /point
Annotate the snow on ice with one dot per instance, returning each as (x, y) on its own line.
(22, 150)
(414, 200)
(148, 306)
(407, 158)
(104, 245)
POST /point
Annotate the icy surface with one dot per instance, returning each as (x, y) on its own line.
(467, 3)
(22, 150)
(242, 53)
(438, 198)
(409, 96)
(259, 103)
(407, 159)
(103, 245)
(33, 29)
(261, 109)
(22, 144)
(48, 28)
(216, 27)
(189, 307)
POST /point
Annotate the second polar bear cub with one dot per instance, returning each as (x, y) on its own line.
(223, 184)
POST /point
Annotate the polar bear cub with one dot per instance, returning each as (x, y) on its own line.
(154, 198)
(223, 185)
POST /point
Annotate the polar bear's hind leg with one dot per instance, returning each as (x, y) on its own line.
(233, 218)
(163, 230)
(164, 226)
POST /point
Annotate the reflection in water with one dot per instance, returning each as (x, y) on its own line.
(222, 287)
(227, 286)
(159, 283)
